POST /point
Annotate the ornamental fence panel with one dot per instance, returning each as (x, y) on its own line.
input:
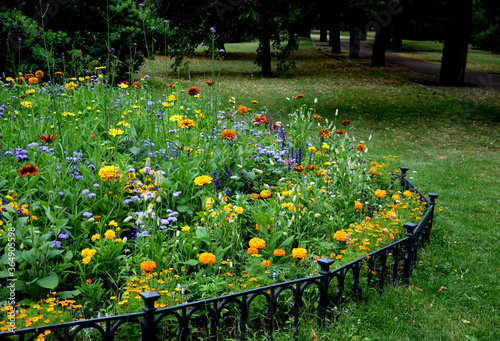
(262, 309)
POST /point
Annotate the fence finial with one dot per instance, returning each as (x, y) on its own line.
(325, 263)
(149, 297)
(404, 170)
(433, 197)
(410, 228)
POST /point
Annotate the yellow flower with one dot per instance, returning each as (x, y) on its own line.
(70, 86)
(265, 194)
(68, 114)
(123, 123)
(357, 205)
(171, 98)
(407, 194)
(266, 263)
(108, 173)
(26, 104)
(254, 102)
(110, 234)
(202, 180)
(239, 210)
(115, 132)
(86, 260)
(207, 258)
(396, 197)
(96, 237)
(123, 86)
(187, 123)
(113, 223)
(185, 228)
(299, 253)
(176, 118)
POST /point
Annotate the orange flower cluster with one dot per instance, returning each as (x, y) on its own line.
(257, 243)
(148, 265)
(228, 134)
(299, 253)
(279, 252)
(193, 91)
(341, 236)
(324, 133)
(207, 258)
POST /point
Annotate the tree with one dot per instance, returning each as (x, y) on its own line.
(458, 27)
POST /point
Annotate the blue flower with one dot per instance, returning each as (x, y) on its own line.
(87, 214)
(61, 193)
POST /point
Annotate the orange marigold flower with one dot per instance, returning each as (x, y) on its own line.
(59, 73)
(299, 253)
(20, 80)
(341, 236)
(28, 76)
(311, 167)
(360, 147)
(279, 252)
(207, 258)
(228, 134)
(210, 83)
(396, 197)
(137, 84)
(28, 169)
(324, 133)
(33, 80)
(39, 74)
(265, 194)
(357, 205)
(316, 117)
(108, 173)
(252, 250)
(148, 265)
(193, 91)
(407, 194)
(380, 193)
(257, 243)
(299, 96)
(298, 168)
(340, 131)
(254, 196)
(266, 263)
(242, 109)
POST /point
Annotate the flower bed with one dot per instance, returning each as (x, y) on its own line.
(111, 192)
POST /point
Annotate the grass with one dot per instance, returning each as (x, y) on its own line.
(452, 148)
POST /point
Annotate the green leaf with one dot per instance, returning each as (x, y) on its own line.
(192, 262)
(182, 208)
(49, 282)
(68, 256)
(68, 294)
(4, 274)
(53, 253)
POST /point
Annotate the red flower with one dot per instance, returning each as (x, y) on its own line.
(210, 82)
(298, 168)
(137, 84)
(193, 91)
(299, 96)
(261, 120)
(340, 131)
(28, 76)
(27, 169)
(346, 122)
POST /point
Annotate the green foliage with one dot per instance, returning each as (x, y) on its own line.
(24, 39)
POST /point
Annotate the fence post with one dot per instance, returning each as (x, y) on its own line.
(325, 264)
(410, 228)
(149, 298)
(403, 176)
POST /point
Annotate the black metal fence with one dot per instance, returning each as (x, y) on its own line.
(203, 319)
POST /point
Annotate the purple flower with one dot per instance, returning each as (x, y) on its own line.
(96, 185)
(87, 214)
(146, 76)
(153, 28)
(222, 51)
(90, 196)
(165, 21)
(203, 47)
(63, 235)
(85, 191)
(212, 29)
(127, 201)
(55, 244)
(141, 5)
(176, 194)
(61, 193)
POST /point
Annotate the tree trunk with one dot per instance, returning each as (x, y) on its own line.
(335, 29)
(266, 56)
(355, 32)
(456, 43)
(323, 35)
(380, 46)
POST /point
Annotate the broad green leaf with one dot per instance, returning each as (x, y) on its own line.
(49, 282)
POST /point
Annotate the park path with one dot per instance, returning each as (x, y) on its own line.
(472, 78)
